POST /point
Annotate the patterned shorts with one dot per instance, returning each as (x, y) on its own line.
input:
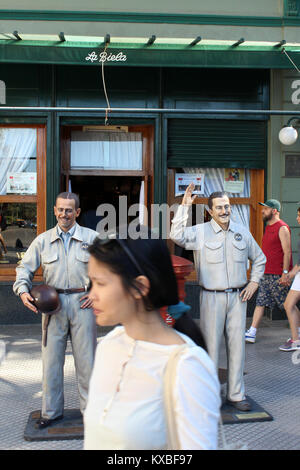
(270, 292)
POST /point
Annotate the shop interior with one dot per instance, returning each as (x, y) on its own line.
(96, 190)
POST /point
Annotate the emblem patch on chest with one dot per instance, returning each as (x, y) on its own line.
(238, 237)
(84, 245)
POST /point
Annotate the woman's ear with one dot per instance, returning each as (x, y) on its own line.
(143, 287)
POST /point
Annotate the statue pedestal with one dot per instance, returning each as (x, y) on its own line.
(70, 427)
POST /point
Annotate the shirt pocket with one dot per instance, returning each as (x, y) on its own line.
(214, 252)
(48, 258)
(82, 255)
(239, 251)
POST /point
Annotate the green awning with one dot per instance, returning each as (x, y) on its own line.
(164, 52)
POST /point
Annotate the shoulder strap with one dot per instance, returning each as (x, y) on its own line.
(168, 389)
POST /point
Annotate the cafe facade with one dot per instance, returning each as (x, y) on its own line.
(135, 106)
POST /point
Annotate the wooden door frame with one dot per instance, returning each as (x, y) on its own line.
(147, 172)
(8, 273)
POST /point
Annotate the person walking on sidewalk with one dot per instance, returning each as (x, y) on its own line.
(276, 245)
(63, 254)
(132, 279)
(221, 252)
(290, 304)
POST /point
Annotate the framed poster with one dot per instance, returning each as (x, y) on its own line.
(234, 179)
(21, 183)
(182, 180)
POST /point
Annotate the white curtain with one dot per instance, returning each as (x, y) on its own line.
(107, 150)
(17, 146)
(214, 181)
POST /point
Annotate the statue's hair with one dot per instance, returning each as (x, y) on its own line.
(214, 196)
(67, 195)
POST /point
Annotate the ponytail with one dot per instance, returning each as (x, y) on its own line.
(187, 325)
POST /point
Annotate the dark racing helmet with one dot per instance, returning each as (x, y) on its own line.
(46, 299)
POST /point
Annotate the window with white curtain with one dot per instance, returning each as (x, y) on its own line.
(17, 153)
(214, 181)
(106, 150)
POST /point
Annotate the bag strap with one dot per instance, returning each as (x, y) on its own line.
(168, 389)
(169, 382)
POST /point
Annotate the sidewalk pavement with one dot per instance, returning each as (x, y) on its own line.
(272, 379)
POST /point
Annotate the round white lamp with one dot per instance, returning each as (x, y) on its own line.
(288, 135)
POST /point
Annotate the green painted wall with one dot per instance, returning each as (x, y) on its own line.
(216, 7)
(267, 20)
(285, 189)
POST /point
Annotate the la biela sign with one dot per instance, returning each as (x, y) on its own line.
(106, 57)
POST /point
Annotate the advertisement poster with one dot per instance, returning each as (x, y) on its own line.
(182, 180)
(234, 179)
(21, 183)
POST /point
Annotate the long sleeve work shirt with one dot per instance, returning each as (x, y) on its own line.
(220, 257)
(61, 269)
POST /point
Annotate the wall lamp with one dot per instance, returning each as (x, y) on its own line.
(288, 134)
(240, 41)
(62, 37)
(281, 43)
(151, 40)
(196, 40)
(16, 34)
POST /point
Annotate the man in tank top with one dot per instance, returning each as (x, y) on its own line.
(275, 284)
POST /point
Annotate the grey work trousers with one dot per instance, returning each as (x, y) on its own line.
(225, 313)
(80, 325)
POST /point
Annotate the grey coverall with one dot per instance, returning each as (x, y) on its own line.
(221, 261)
(62, 270)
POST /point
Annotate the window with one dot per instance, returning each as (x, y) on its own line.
(106, 150)
(22, 192)
(292, 166)
(245, 207)
(17, 160)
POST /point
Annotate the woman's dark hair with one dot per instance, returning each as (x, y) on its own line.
(187, 325)
(152, 256)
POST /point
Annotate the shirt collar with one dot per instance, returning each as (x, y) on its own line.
(70, 232)
(217, 228)
(77, 234)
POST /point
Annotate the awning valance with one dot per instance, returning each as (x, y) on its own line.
(163, 52)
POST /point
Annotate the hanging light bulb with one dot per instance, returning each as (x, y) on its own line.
(288, 135)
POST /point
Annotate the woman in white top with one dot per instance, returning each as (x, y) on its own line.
(290, 304)
(131, 281)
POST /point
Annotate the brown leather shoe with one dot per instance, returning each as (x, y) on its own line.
(242, 405)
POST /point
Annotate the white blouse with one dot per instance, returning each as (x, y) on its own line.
(125, 408)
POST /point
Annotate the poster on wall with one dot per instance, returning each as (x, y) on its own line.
(21, 183)
(234, 179)
(182, 180)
